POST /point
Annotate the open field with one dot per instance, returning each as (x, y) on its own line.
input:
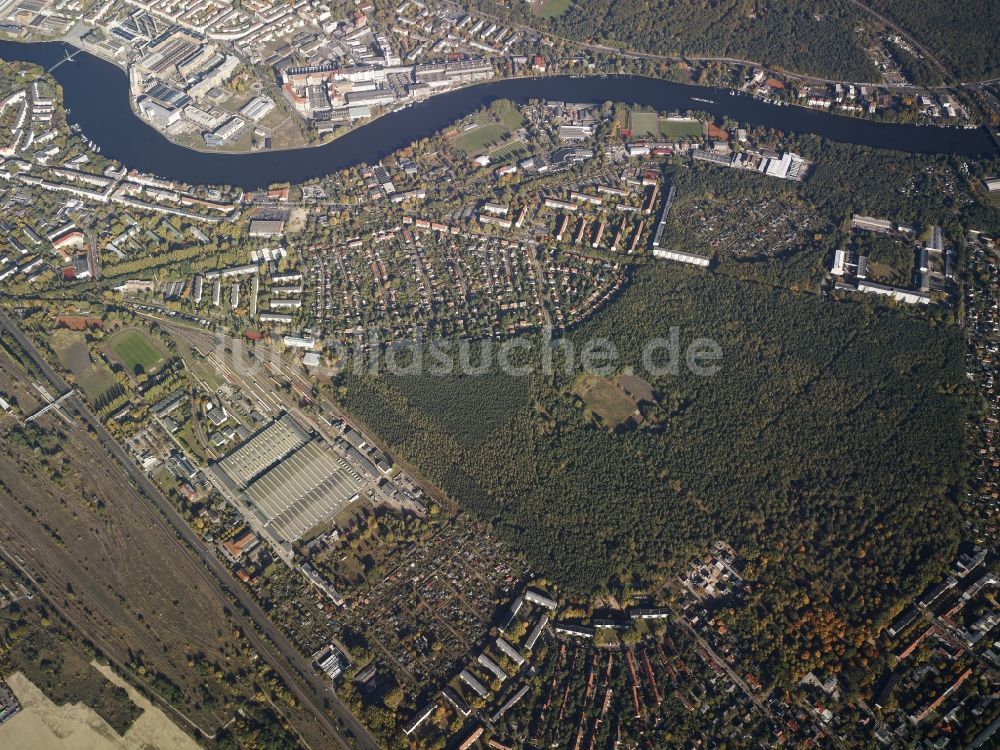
(605, 399)
(96, 382)
(511, 119)
(651, 125)
(153, 728)
(115, 569)
(43, 725)
(130, 587)
(93, 377)
(890, 260)
(71, 349)
(136, 351)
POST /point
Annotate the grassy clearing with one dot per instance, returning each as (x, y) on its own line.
(71, 349)
(135, 350)
(605, 399)
(550, 8)
(207, 374)
(96, 382)
(651, 125)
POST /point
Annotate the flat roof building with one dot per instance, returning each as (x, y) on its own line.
(303, 490)
(257, 108)
(649, 613)
(839, 262)
(470, 679)
(901, 295)
(537, 597)
(263, 450)
(419, 718)
(578, 631)
(267, 227)
(870, 223)
(456, 701)
(492, 666)
(511, 702)
(682, 257)
(509, 651)
(536, 632)
(515, 607)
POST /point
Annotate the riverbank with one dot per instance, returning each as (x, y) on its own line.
(97, 97)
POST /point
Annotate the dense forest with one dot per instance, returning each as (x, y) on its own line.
(806, 37)
(966, 35)
(825, 450)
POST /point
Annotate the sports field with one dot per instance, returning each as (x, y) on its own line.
(651, 125)
(644, 124)
(136, 351)
(478, 140)
(513, 150)
(687, 128)
(489, 134)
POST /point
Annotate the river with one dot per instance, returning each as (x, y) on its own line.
(96, 93)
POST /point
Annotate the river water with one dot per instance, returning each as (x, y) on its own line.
(96, 93)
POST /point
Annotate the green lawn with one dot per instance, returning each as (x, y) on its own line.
(509, 151)
(681, 129)
(644, 124)
(135, 350)
(478, 140)
(97, 382)
(511, 119)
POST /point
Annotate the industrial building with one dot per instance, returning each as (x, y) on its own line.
(263, 450)
(304, 490)
(290, 481)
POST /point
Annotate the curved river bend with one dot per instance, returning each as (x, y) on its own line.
(96, 92)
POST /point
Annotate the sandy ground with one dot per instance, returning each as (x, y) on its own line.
(42, 725)
(153, 729)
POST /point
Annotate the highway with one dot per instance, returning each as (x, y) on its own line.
(313, 691)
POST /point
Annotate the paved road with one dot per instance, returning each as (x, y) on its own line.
(283, 657)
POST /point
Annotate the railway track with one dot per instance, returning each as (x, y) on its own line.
(273, 646)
